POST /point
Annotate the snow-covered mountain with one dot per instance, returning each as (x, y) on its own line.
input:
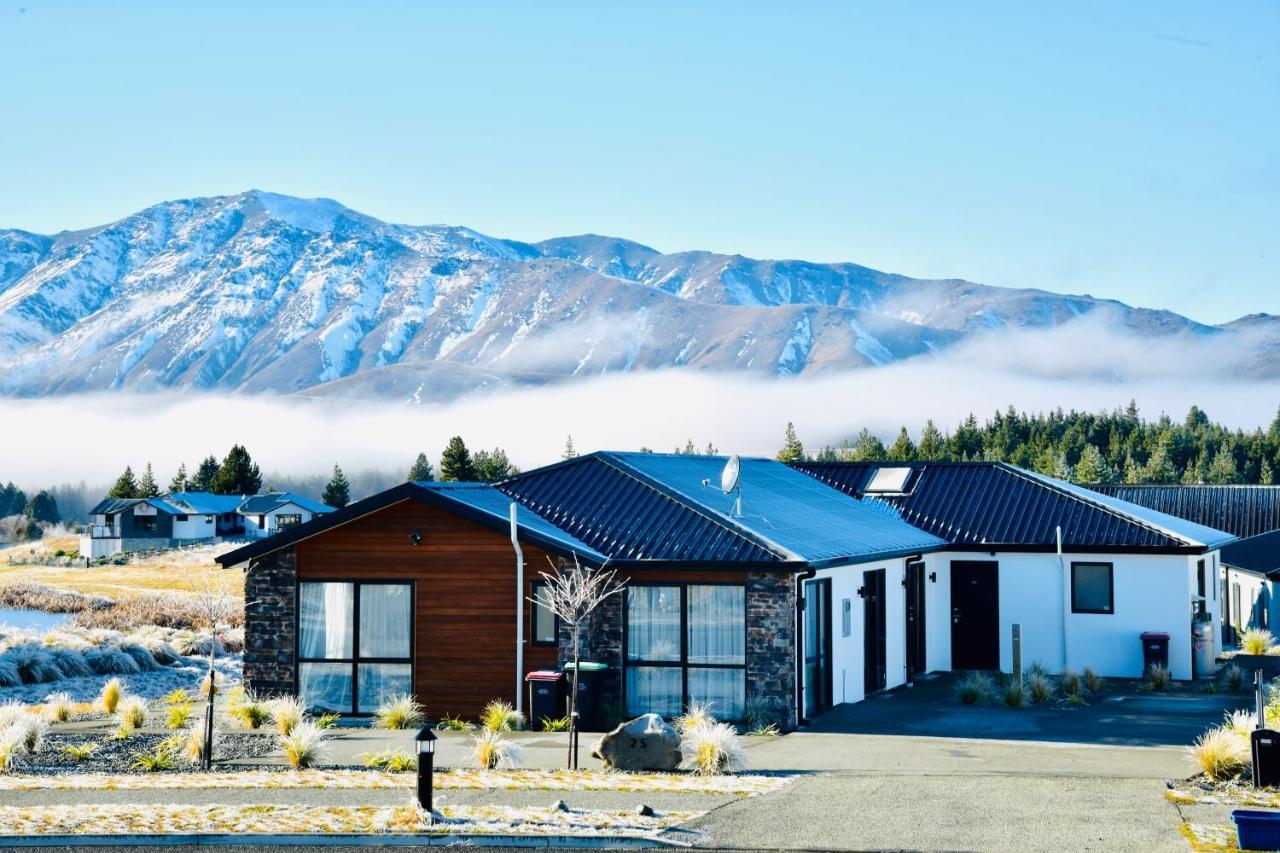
(264, 293)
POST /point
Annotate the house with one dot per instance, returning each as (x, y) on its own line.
(1250, 566)
(266, 515)
(800, 587)
(189, 518)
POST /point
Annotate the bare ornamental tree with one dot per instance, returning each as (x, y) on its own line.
(213, 610)
(573, 593)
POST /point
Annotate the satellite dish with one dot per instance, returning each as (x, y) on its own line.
(729, 476)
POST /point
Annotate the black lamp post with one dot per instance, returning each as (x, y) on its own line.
(426, 743)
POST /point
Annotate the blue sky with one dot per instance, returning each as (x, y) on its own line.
(1129, 150)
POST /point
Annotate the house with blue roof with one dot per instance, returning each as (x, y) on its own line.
(749, 584)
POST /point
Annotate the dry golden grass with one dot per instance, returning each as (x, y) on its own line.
(178, 572)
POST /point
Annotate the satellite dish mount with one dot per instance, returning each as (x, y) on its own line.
(730, 485)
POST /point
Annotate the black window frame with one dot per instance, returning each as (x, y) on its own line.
(1111, 588)
(534, 607)
(146, 523)
(356, 659)
(281, 524)
(683, 663)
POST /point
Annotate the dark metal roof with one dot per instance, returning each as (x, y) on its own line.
(627, 517)
(997, 506)
(1260, 554)
(113, 505)
(1244, 511)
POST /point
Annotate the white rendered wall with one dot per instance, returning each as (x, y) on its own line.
(1252, 587)
(195, 527)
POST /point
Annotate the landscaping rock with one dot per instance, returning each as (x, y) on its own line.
(645, 743)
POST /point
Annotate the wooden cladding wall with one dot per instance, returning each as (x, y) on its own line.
(465, 617)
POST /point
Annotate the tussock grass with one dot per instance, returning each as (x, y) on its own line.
(13, 748)
(249, 711)
(163, 757)
(1015, 694)
(491, 751)
(404, 712)
(1092, 681)
(1071, 684)
(287, 712)
(697, 713)
(1240, 723)
(59, 707)
(1158, 678)
(975, 688)
(453, 724)
(109, 698)
(1040, 686)
(193, 744)
(499, 716)
(133, 713)
(711, 749)
(304, 746)
(80, 751)
(1221, 754)
(178, 716)
(1232, 677)
(327, 720)
(389, 761)
(1257, 641)
(559, 724)
(173, 572)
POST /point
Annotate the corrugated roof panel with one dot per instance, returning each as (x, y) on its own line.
(1244, 511)
(1259, 553)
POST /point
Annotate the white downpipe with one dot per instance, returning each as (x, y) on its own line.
(1066, 598)
(515, 543)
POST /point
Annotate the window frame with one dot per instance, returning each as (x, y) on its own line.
(534, 607)
(1111, 588)
(295, 518)
(683, 663)
(356, 659)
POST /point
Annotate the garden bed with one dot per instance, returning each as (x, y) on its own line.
(117, 755)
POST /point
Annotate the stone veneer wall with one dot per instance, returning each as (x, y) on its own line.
(270, 624)
(602, 643)
(771, 643)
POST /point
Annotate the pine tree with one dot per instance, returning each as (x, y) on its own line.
(205, 474)
(147, 487)
(931, 442)
(420, 471)
(43, 508)
(792, 450)
(12, 500)
(1093, 467)
(904, 449)
(1159, 468)
(1133, 472)
(338, 493)
(1195, 473)
(868, 448)
(1062, 468)
(179, 481)
(1265, 476)
(711, 450)
(493, 466)
(1196, 418)
(455, 462)
(1223, 468)
(238, 475)
(569, 451)
(126, 486)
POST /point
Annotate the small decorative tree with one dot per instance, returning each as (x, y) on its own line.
(213, 609)
(573, 593)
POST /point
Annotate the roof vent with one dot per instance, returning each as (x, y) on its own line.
(888, 481)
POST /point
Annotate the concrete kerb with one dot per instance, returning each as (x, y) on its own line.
(339, 840)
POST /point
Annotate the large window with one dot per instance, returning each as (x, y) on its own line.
(1091, 588)
(288, 519)
(545, 628)
(685, 644)
(355, 644)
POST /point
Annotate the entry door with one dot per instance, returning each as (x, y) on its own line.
(915, 620)
(975, 615)
(817, 646)
(873, 627)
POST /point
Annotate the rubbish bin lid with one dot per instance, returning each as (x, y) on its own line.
(543, 675)
(1154, 635)
(588, 666)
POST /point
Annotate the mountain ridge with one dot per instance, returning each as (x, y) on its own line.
(259, 292)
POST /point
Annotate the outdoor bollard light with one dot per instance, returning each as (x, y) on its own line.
(426, 742)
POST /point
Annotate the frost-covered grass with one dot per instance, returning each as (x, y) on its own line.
(304, 746)
(499, 716)
(1221, 753)
(710, 749)
(491, 751)
(401, 712)
(288, 712)
(181, 571)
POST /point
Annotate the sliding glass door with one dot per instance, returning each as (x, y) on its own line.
(355, 644)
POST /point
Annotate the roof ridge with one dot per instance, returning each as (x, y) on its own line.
(741, 531)
(1050, 483)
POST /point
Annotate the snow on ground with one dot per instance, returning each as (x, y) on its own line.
(149, 685)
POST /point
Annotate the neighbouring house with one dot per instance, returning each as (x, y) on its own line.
(1250, 566)
(266, 515)
(800, 588)
(187, 518)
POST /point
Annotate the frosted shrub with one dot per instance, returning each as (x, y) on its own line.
(499, 716)
(712, 748)
(1256, 641)
(11, 712)
(13, 748)
(288, 712)
(696, 714)
(491, 751)
(1240, 723)
(404, 712)
(303, 746)
(249, 711)
(32, 730)
(1221, 754)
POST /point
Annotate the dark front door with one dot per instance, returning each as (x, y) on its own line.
(874, 645)
(975, 614)
(915, 619)
(817, 646)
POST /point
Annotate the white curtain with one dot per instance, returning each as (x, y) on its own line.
(380, 681)
(653, 623)
(325, 619)
(654, 690)
(386, 614)
(717, 625)
(724, 689)
(325, 686)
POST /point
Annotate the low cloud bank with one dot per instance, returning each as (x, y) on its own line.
(93, 437)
